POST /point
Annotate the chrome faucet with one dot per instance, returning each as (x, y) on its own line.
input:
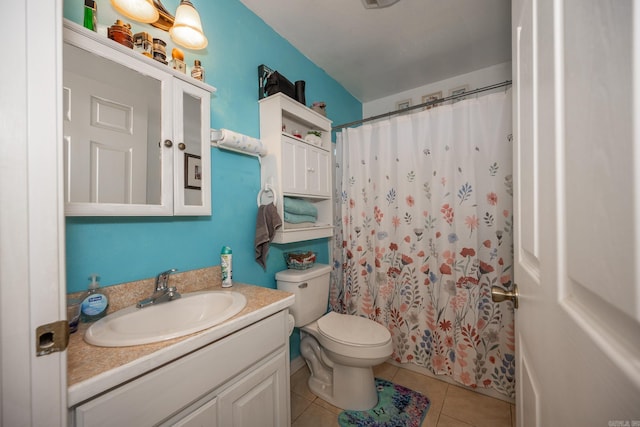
(162, 293)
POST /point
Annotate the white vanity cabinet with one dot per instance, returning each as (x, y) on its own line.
(295, 167)
(240, 380)
(135, 132)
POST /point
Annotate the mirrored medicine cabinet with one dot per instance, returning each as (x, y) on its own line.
(135, 132)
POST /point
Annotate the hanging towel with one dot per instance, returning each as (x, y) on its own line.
(300, 207)
(267, 222)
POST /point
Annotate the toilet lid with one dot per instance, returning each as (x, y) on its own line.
(353, 330)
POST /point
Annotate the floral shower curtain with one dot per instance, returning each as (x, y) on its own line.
(424, 214)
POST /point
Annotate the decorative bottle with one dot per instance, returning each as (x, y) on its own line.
(197, 72)
(90, 15)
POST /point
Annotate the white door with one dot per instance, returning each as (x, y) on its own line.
(32, 278)
(105, 132)
(577, 211)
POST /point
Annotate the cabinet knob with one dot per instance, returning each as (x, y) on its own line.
(182, 146)
(311, 170)
(168, 143)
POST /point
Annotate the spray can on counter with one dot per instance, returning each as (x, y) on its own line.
(226, 266)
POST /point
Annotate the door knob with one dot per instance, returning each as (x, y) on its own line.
(498, 294)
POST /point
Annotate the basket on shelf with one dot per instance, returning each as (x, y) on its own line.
(300, 260)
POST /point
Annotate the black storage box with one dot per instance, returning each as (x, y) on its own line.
(271, 82)
(276, 82)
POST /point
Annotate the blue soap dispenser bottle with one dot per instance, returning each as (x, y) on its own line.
(94, 305)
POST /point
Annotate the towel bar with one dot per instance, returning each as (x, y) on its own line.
(267, 189)
(233, 141)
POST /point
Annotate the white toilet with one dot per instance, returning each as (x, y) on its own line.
(340, 349)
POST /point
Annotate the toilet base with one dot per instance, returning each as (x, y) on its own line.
(354, 388)
(347, 387)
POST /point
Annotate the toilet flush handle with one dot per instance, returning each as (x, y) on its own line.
(303, 285)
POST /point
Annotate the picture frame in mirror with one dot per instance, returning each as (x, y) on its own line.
(192, 171)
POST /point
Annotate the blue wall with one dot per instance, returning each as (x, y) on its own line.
(132, 248)
(128, 249)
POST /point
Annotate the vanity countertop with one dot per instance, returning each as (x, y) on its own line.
(92, 370)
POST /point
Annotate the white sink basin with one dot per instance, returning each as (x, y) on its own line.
(192, 313)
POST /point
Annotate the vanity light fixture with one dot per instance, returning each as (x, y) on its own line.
(185, 28)
(138, 10)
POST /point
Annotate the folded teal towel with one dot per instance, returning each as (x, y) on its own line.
(300, 207)
(297, 219)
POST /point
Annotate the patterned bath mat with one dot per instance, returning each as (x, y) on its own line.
(397, 406)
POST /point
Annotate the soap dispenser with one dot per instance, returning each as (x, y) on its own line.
(94, 305)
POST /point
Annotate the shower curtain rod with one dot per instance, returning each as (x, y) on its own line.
(425, 104)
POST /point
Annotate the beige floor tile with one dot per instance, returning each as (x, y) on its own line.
(328, 406)
(513, 415)
(432, 388)
(446, 421)
(299, 384)
(432, 418)
(298, 405)
(316, 416)
(435, 390)
(451, 406)
(476, 409)
(385, 371)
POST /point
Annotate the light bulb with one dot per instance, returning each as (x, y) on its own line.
(187, 28)
(138, 10)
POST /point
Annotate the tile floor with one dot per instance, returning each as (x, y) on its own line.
(451, 406)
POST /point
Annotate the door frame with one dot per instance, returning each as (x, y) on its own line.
(32, 265)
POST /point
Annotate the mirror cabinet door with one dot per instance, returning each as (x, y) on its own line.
(193, 158)
(115, 158)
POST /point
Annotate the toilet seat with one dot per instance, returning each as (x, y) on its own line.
(353, 330)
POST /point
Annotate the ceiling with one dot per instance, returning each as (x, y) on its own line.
(374, 53)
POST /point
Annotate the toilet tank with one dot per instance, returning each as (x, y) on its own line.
(311, 288)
